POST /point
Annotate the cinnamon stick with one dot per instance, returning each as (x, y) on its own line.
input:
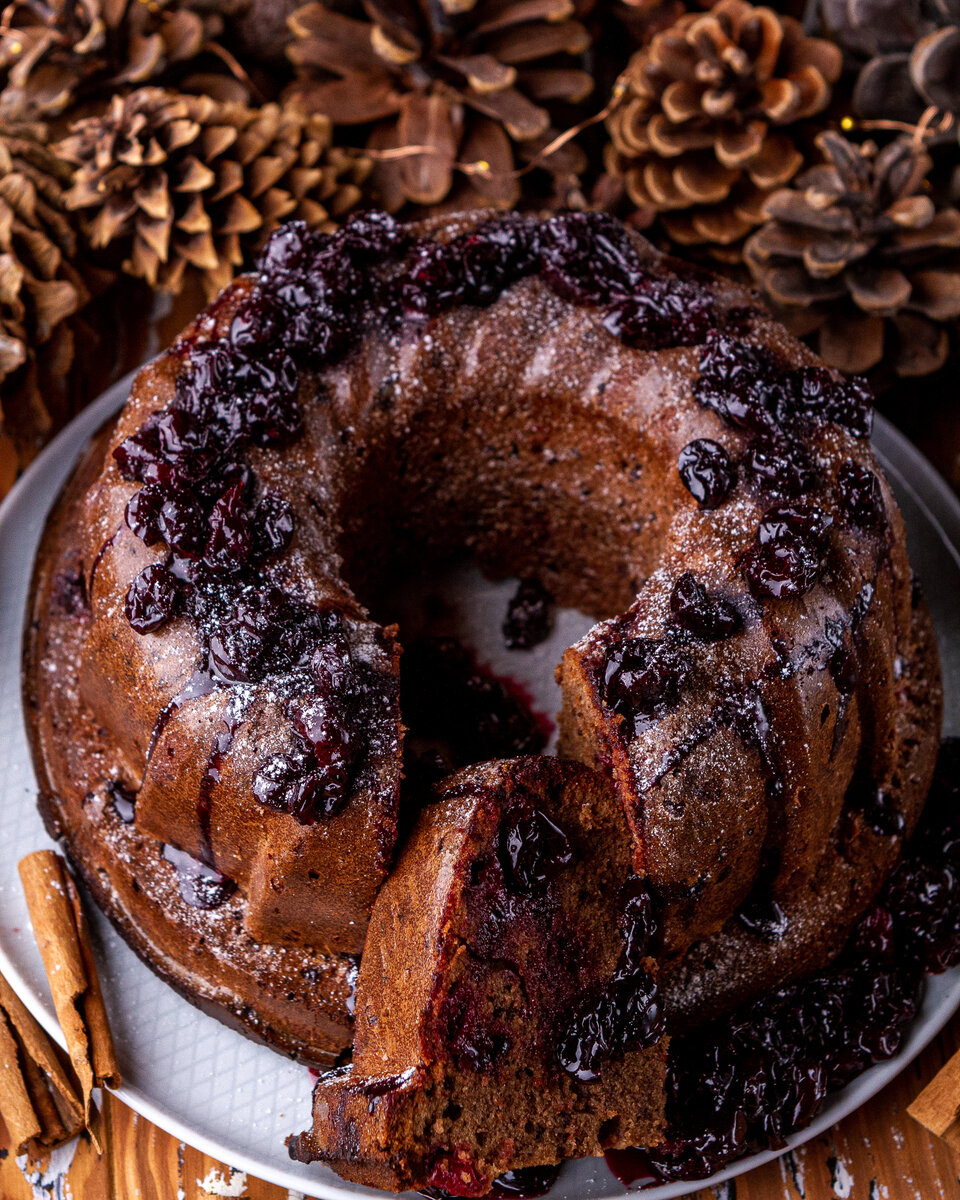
(38, 1100)
(937, 1107)
(63, 936)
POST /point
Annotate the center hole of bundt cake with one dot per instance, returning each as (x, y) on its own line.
(439, 525)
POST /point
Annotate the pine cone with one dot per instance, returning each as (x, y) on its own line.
(40, 290)
(170, 182)
(475, 80)
(699, 138)
(55, 53)
(859, 256)
(913, 55)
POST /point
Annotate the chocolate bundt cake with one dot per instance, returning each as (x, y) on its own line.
(506, 1015)
(215, 707)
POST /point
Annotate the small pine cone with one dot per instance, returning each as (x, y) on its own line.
(170, 182)
(858, 257)
(52, 56)
(40, 291)
(701, 137)
(471, 80)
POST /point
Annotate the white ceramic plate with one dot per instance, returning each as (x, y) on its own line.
(233, 1099)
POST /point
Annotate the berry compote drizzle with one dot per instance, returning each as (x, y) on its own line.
(746, 1082)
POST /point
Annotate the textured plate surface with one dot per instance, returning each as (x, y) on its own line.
(236, 1100)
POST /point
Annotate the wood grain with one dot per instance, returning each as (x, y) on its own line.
(877, 1153)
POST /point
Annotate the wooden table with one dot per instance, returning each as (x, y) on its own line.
(877, 1153)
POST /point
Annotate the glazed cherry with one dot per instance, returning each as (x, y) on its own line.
(710, 618)
(496, 255)
(181, 525)
(740, 383)
(642, 678)
(230, 538)
(662, 313)
(533, 850)
(287, 248)
(861, 498)
(819, 395)
(628, 1015)
(785, 560)
(638, 922)
(589, 258)
(142, 513)
(706, 472)
(529, 616)
(778, 468)
(151, 598)
(433, 281)
(257, 324)
(799, 520)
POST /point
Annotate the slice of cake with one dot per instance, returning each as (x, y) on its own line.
(506, 1011)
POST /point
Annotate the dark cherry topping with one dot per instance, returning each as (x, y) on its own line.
(706, 471)
(473, 268)
(230, 539)
(663, 313)
(310, 303)
(786, 558)
(142, 513)
(643, 678)
(533, 850)
(861, 498)
(200, 886)
(123, 801)
(753, 391)
(628, 1014)
(589, 258)
(740, 383)
(778, 468)
(151, 598)
(746, 1082)
(529, 616)
(710, 618)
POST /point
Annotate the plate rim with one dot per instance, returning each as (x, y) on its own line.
(941, 509)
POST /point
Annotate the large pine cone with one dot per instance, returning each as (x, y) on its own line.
(472, 80)
(40, 291)
(858, 257)
(171, 182)
(701, 138)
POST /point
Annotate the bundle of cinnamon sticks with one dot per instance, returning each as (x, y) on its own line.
(46, 1097)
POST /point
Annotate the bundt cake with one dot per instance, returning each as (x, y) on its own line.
(506, 1015)
(215, 708)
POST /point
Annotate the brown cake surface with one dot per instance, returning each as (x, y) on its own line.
(216, 710)
(509, 941)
